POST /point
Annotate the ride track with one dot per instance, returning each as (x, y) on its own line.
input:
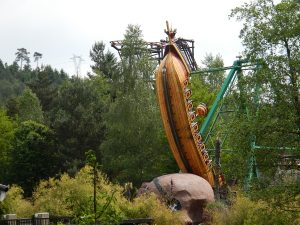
(172, 80)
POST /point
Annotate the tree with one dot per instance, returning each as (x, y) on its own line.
(1, 65)
(29, 107)
(271, 35)
(135, 148)
(12, 107)
(136, 64)
(22, 56)
(205, 86)
(104, 62)
(10, 83)
(214, 79)
(271, 119)
(45, 85)
(6, 136)
(77, 119)
(34, 155)
(37, 56)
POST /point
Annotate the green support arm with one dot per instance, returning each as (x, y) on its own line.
(235, 67)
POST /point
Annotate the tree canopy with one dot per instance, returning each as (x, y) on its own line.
(49, 120)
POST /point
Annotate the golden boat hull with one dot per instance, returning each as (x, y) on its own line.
(171, 83)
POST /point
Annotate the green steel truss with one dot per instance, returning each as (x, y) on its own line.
(222, 112)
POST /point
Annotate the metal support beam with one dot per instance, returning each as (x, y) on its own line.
(234, 68)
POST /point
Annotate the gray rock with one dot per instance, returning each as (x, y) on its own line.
(182, 191)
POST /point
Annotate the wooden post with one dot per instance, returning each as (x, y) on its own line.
(95, 192)
(218, 167)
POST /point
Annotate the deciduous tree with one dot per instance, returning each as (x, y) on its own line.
(6, 136)
(77, 118)
(29, 107)
(34, 155)
(271, 120)
(135, 148)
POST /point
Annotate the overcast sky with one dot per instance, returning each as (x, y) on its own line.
(60, 28)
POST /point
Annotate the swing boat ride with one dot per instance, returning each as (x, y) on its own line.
(173, 93)
(187, 139)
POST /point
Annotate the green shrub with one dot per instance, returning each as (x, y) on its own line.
(149, 206)
(106, 213)
(73, 196)
(69, 196)
(243, 211)
(15, 203)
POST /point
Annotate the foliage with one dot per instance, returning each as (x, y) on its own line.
(247, 212)
(10, 84)
(148, 206)
(29, 107)
(65, 196)
(45, 83)
(201, 91)
(271, 35)
(99, 212)
(106, 213)
(69, 196)
(214, 79)
(205, 86)
(16, 204)
(283, 195)
(91, 159)
(74, 196)
(34, 155)
(269, 109)
(104, 62)
(37, 56)
(77, 119)
(134, 149)
(22, 56)
(6, 136)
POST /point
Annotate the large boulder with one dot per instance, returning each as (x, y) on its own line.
(182, 191)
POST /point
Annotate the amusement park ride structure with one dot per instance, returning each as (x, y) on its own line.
(192, 145)
(186, 138)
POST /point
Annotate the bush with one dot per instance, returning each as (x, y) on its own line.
(246, 212)
(16, 204)
(73, 197)
(69, 196)
(149, 206)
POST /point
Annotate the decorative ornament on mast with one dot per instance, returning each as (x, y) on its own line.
(170, 32)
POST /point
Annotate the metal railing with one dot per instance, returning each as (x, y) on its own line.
(66, 221)
(25, 221)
